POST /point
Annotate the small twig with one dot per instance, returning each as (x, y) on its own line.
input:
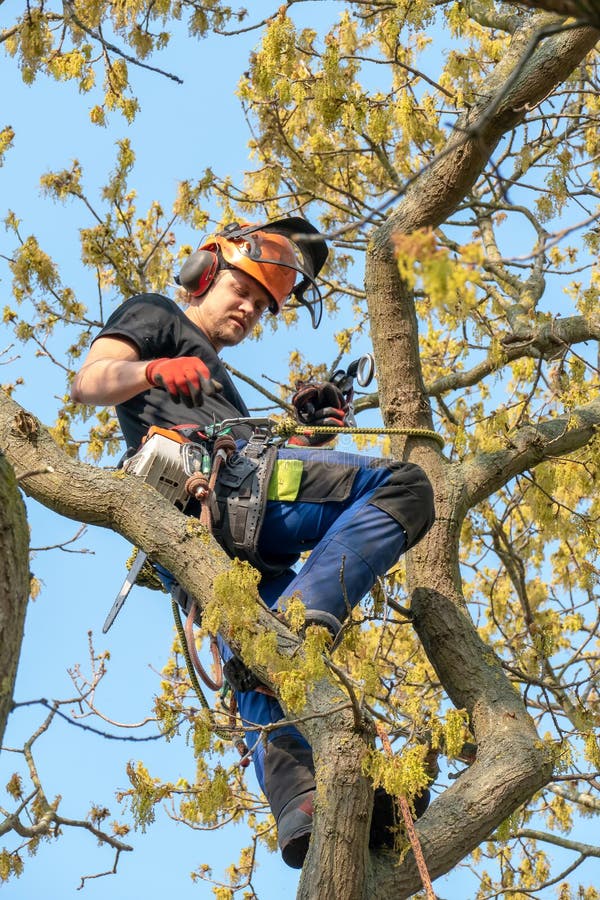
(111, 737)
(43, 471)
(81, 531)
(114, 49)
(358, 716)
(112, 871)
(281, 404)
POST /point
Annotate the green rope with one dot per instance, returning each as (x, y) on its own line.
(224, 735)
(288, 427)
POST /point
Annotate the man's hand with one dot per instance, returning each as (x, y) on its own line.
(185, 378)
(320, 404)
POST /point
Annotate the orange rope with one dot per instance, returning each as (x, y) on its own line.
(213, 684)
(410, 828)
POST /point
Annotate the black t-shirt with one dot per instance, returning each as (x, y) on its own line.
(159, 328)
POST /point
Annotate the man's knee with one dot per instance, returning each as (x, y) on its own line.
(407, 496)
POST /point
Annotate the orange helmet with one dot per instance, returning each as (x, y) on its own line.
(274, 254)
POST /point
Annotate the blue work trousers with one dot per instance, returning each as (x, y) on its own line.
(353, 542)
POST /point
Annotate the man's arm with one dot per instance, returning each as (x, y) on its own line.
(111, 373)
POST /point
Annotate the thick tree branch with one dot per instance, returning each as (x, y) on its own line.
(528, 447)
(559, 841)
(586, 11)
(543, 341)
(435, 194)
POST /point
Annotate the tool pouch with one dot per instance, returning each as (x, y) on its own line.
(241, 494)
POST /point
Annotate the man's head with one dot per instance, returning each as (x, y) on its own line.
(230, 308)
(276, 255)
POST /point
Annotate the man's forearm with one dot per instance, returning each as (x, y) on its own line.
(106, 382)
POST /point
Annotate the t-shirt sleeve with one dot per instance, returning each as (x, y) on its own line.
(147, 321)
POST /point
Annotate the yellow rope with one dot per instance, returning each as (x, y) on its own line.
(288, 427)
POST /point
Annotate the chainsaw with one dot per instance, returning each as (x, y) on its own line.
(166, 460)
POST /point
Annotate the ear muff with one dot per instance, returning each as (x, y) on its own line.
(198, 271)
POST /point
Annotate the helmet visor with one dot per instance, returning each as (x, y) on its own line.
(307, 294)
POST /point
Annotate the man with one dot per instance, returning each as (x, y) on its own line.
(159, 365)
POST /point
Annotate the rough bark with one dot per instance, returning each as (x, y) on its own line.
(527, 447)
(537, 68)
(585, 11)
(545, 340)
(14, 584)
(338, 865)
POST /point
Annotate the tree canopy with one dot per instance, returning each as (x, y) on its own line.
(450, 153)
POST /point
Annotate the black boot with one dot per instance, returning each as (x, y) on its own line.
(387, 817)
(290, 790)
(294, 828)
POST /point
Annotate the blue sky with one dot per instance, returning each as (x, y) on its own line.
(179, 131)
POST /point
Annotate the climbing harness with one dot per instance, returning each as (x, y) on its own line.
(241, 499)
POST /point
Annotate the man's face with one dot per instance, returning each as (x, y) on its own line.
(230, 309)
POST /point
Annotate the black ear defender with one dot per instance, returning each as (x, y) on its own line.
(197, 272)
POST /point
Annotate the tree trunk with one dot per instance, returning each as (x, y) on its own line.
(14, 584)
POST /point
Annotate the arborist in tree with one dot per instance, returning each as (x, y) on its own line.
(159, 365)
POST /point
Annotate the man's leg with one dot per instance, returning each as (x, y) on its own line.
(282, 758)
(284, 768)
(376, 511)
(371, 514)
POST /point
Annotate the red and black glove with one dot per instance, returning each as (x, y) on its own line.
(321, 404)
(185, 378)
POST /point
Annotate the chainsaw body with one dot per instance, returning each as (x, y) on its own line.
(166, 460)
